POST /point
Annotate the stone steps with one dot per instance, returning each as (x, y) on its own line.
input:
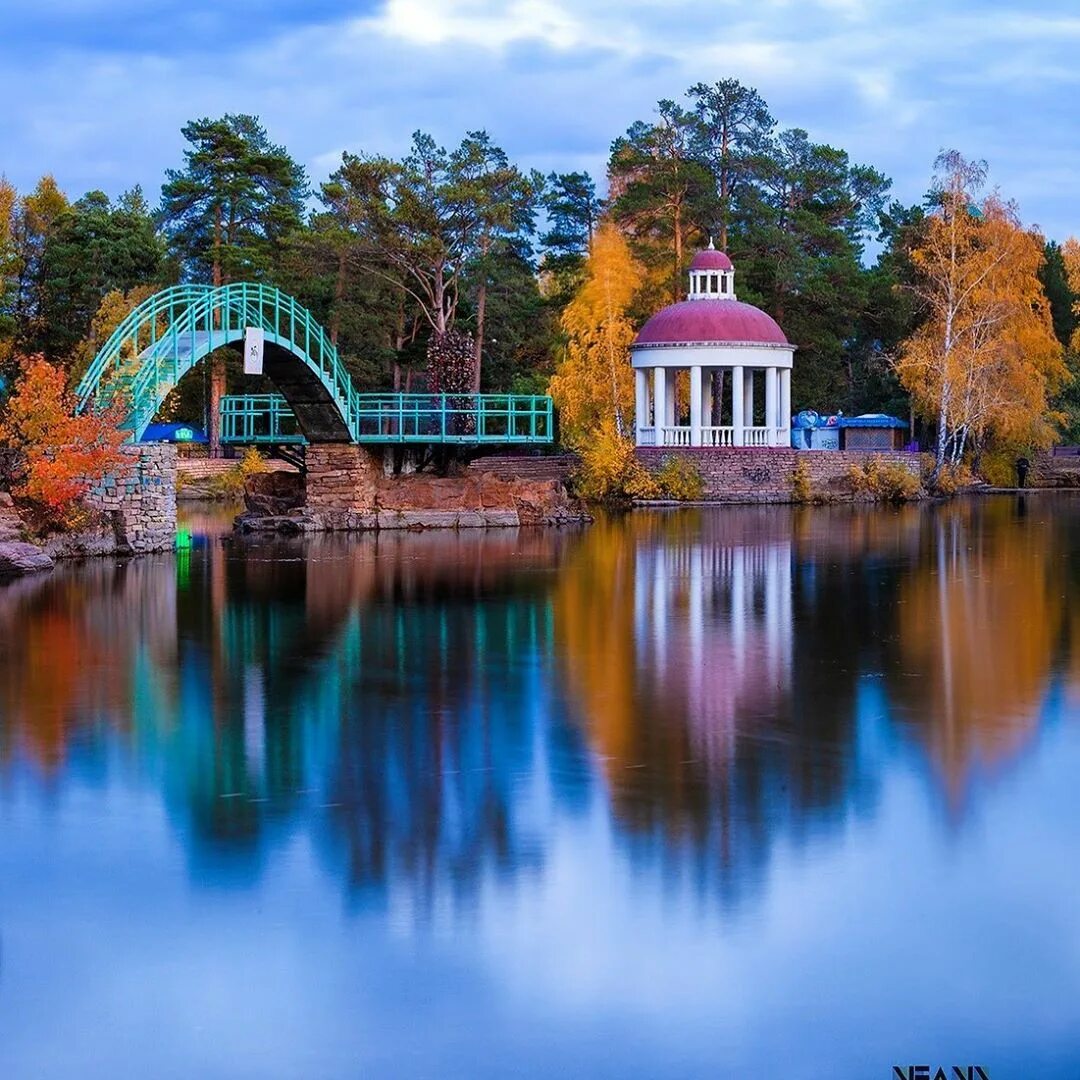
(512, 467)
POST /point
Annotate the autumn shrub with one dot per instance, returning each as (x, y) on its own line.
(611, 471)
(953, 478)
(884, 480)
(230, 483)
(680, 479)
(998, 466)
(62, 455)
(802, 489)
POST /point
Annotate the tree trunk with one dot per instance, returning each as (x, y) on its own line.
(339, 295)
(217, 359)
(725, 188)
(678, 252)
(481, 307)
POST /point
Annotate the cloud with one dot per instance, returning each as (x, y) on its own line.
(100, 89)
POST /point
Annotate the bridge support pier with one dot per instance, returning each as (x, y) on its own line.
(341, 485)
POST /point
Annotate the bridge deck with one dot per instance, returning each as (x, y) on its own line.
(399, 418)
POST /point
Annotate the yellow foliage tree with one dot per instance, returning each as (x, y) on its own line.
(985, 362)
(115, 306)
(594, 385)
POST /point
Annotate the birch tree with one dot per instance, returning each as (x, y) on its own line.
(985, 360)
(594, 385)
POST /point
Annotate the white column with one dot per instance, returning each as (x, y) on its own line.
(706, 396)
(771, 409)
(785, 404)
(659, 402)
(748, 398)
(738, 401)
(641, 402)
(695, 406)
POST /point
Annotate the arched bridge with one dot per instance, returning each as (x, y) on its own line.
(162, 339)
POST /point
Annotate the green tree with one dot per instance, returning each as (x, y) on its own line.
(431, 224)
(573, 210)
(732, 131)
(662, 194)
(228, 212)
(1064, 303)
(94, 248)
(9, 274)
(800, 255)
(34, 217)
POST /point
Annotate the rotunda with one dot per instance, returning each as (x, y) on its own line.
(708, 335)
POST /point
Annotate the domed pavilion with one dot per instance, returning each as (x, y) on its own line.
(709, 335)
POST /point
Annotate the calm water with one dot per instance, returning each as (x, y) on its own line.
(754, 793)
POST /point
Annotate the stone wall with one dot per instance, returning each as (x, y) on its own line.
(1055, 470)
(346, 489)
(761, 475)
(527, 467)
(138, 501)
(340, 485)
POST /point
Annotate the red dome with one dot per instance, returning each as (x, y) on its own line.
(710, 259)
(709, 322)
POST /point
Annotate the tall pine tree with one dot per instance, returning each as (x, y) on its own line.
(228, 212)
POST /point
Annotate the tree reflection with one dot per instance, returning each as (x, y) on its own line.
(428, 706)
(981, 619)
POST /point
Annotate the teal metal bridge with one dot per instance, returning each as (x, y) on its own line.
(162, 339)
(399, 418)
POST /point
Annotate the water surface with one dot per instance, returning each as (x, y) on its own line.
(734, 792)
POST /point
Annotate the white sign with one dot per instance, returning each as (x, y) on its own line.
(253, 350)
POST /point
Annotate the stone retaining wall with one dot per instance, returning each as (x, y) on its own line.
(534, 467)
(1055, 470)
(140, 499)
(345, 488)
(764, 475)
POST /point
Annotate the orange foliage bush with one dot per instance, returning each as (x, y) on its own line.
(63, 455)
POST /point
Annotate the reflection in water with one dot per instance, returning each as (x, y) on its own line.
(441, 715)
(714, 661)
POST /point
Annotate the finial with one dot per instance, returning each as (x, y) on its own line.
(711, 246)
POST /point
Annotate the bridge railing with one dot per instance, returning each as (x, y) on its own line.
(401, 418)
(139, 330)
(172, 330)
(258, 418)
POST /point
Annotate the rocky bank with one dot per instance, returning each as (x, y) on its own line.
(282, 502)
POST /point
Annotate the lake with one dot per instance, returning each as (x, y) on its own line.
(748, 792)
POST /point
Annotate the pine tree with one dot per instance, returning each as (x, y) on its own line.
(228, 212)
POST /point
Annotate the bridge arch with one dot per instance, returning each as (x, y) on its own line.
(163, 338)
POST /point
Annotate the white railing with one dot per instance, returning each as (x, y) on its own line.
(675, 436)
(717, 436)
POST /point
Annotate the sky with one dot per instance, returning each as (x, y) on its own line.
(96, 91)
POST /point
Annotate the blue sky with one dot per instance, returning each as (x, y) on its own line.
(96, 91)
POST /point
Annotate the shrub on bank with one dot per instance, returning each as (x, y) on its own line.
(610, 471)
(951, 479)
(230, 484)
(680, 479)
(802, 488)
(884, 480)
